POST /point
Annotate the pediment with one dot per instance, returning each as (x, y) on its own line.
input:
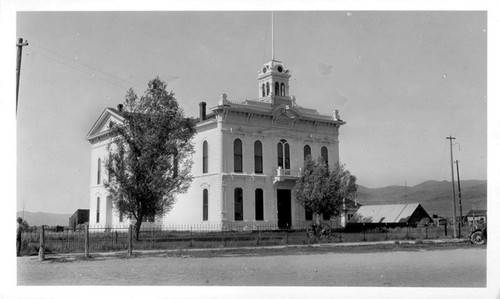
(101, 126)
(286, 111)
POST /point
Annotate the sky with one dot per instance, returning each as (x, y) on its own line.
(402, 80)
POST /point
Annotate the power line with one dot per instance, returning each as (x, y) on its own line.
(121, 86)
(84, 65)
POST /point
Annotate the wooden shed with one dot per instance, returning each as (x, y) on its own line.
(389, 215)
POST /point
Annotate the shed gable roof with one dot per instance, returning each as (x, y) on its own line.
(385, 213)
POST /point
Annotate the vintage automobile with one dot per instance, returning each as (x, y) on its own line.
(478, 235)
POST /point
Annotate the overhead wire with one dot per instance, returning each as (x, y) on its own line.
(73, 63)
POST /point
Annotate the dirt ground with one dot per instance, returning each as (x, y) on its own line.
(395, 265)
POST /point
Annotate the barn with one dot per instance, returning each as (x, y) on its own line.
(389, 215)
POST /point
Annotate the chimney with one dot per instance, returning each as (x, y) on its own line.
(120, 107)
(203, 111)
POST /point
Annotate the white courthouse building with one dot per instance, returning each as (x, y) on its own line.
(247, 158)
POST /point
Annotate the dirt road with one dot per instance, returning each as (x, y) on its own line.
(419, 268)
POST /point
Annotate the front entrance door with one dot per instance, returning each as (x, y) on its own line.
(284, 208)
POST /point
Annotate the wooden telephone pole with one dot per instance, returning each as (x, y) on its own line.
(20, 45)
(459, 202)
(451, 138)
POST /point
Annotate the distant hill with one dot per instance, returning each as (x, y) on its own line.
(41, 218)
(434, 196)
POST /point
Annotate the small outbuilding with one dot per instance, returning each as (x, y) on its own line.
(476, 216)
(79, 217)
(390, 215)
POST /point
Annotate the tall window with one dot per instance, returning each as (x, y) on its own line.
(205, 205)
(283, 89)
(307, 151)
(238, 204)
(267, 88)
(175, 161)
(205, 157)
(283, 154)
(276, 88)
(98, 211)
(238, 156)
(263, 90)
(98, 171)
(257, 149)
(309, 214)
(259, 204)
(324, 154)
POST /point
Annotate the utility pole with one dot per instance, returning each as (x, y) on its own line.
(272, 35)
(451, 138)
(406, 195)
(459, 202)
(20, 45)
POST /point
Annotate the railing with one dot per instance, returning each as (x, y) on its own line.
(283, 174)
(91, 239)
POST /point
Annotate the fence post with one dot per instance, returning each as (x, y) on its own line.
(41, 251)
(258, 235)
(87, 240)
(364, 232)
(191, 241)
(130, 240)
(386, 231)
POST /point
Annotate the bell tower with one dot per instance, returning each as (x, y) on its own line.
(273, 81)
(273, 78)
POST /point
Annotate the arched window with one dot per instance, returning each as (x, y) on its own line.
(276, 88)
(307, 151)
(98, 210)
(205, 205)
(175, 161)
(283, 154)
(283, 89)
(98, 171)
(238, 204)
(259, 204)
(205, 156)
(263, 90)
(309, 214)
(257, 149)
(324, 154)
(267, 88)
(238, 156)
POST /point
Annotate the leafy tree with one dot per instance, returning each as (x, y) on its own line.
(321, 191)
(149, 154)
(25, 224)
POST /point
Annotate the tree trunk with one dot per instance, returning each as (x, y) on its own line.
(316, 218)
(138, 228)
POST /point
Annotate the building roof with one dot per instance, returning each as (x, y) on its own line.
(476, 213)
(385, 213)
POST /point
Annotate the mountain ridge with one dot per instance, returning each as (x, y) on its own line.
(434, 196)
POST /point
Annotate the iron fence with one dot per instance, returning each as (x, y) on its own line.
(100, 239)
